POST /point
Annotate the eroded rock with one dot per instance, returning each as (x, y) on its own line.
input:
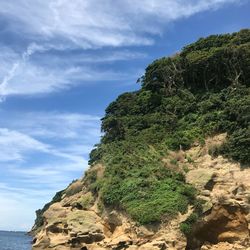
(76, 223)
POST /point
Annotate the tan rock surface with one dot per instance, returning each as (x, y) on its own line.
(76, 223)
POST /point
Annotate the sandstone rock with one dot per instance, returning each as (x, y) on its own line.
(207, 206)
(155, 245)
(113, 220)
(199, 177)
(74, 188)
(42, 242)
(205, 193)
(143, 232)
(225, 223)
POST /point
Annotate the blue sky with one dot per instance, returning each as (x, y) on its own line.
(61, 63)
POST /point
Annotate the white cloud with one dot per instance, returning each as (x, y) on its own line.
(34, 132)
(13, 144)
(16, 145)
(19, 206)
(89, 24)
(171, 10)
(41, 153)
(96, 23)
(54, 124)
(20, 76)
(32, 48)
(102, 56)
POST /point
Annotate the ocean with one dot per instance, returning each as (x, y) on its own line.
(14, 241)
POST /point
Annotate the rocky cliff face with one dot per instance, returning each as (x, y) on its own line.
(79, 222)
(161, 176)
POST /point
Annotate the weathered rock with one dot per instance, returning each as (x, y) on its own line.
(200, 177)
(76, 223)
(207, 206)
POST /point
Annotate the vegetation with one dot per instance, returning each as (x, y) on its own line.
(201, 91)
(187, 225)
(85, 201)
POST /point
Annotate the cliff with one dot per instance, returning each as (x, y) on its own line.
(172, 169)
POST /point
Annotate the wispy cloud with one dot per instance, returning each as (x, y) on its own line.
(19, 204)
(54, 124)
(47, 74)
(35, 131)
(14, 144)
(40, 154)
(92, 23)
(61, 25)
(31, 49)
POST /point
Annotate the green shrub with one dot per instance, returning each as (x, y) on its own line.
(85, 201)
(237, 146)
(186, 226)
(163, 201)
(202, 91)
(199, 92)
(214, 150)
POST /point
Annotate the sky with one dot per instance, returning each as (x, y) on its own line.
(61, 63)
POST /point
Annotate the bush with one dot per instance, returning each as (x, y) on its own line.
(186, 226)
(162, 202)
(202, 91)
(85, 201)
(237, 146)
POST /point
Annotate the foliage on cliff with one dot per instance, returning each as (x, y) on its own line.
(201, 91)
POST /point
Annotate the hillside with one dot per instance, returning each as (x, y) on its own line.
(172, 164)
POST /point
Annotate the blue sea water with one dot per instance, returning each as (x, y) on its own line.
(14, 241)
